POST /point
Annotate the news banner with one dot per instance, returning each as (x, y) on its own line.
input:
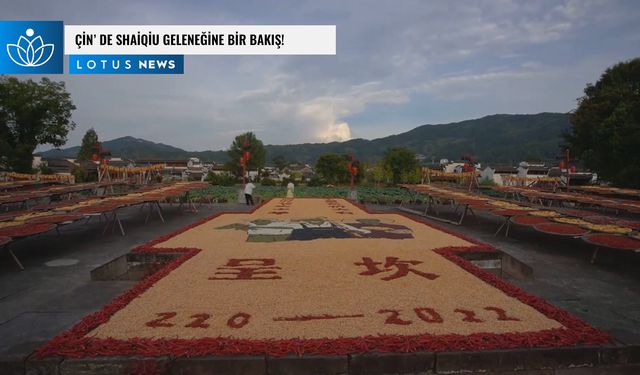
(39, 47)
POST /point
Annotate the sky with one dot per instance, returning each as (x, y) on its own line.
(398, 65)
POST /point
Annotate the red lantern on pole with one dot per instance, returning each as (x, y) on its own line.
(352, 167)
(562, 165)
(244, 158)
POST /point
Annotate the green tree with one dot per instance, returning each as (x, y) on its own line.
(245, 142)
(220, 179)
(605, 132)
(333, 168)
(401, 163)
(79, 174)
(32, 114)
(381, 172)
(268, 182)
(280, 162)
(89, 143)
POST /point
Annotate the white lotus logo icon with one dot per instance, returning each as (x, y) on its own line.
(30, 52)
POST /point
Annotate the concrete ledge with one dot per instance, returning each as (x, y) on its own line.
(613, 354)
(313, 365)
(607, 359)
(518, 360)
(495, 360)
(114, 366)
(634, 354)
(523, 372)
(608, 370)
(43, 366)
(219, 366)
(12, 365)
(392, 363)
(131, 266)
(555, 358)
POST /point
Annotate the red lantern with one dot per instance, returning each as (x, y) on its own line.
(573, 169)
(562, 165)
(94, 157)
(353, 169)
(468, 168)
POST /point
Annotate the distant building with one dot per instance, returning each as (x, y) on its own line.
(37, 162)
(487, 174)
(123, 163)
(523, 174)
(532, 169)
(271, 173)
(298, 172)
(454, 167)
(504, 169)
(67, 166)
(217, 169)
(184, 169)
(195, 169)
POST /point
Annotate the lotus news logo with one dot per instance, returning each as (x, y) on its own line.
(32, 47)
(30, 52)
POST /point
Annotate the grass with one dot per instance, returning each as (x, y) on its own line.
(366, 194)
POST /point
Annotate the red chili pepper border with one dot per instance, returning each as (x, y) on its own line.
(74, 343)
(613, 241)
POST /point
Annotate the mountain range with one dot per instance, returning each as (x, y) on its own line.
(500, 138)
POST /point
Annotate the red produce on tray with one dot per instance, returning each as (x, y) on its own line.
(26, 230)
(529, 220)
(613, 241)
(97, 209)
(599, 219)
(509, 212)
(561, 229)
(55, 219)
(629, 223)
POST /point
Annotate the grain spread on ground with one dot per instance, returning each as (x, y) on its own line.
(314, 268)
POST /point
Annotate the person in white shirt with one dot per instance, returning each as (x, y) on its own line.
(248, 193)
(290, 188)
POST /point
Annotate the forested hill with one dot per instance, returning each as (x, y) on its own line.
(495, 138)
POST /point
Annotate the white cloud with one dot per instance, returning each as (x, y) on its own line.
(326, 114)
(288, 111)
(467, 86)
(335, 132)
(396, 66)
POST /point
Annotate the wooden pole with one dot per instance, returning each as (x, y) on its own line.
(244, 172)
(568, 169)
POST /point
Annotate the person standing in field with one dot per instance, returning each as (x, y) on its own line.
(290, 188)
(248, 193)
